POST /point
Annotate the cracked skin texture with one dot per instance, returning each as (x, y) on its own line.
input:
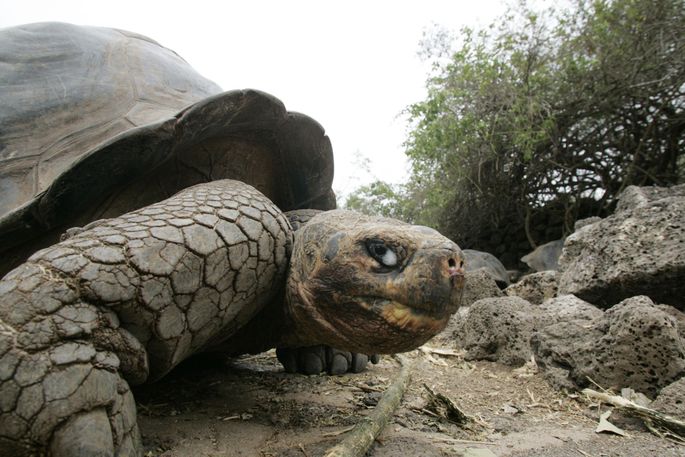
(127, 299)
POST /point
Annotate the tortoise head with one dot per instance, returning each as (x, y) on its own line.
(371, 285)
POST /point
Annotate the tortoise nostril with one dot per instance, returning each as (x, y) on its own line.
(455, 268)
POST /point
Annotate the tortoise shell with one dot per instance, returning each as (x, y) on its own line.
(96, 122)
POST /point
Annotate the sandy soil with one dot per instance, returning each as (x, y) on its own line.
(250, 407)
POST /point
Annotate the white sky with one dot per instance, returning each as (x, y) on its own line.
(351, 65)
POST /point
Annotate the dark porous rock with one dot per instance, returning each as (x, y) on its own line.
(678, 315)
(478, 285)
(580, 223)
(536, 287)
(634, 344)
(562, 346)
(671, 400)
(639, 250)
(544, 257)
(643, 345)
(634, 196)
(497, 329)
(478, 260)
(568, 308)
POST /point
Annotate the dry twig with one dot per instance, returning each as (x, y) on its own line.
(445, 408)
(358, 442)
(442, 351)
(654, 420)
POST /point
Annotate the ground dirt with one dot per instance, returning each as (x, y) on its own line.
(250, 407)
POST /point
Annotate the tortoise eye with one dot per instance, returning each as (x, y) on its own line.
(382, 253)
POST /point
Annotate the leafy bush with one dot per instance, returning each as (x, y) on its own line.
(543, 118)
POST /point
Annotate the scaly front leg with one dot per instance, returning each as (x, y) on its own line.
(123, 302)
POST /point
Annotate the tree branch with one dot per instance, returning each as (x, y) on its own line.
(360, 439)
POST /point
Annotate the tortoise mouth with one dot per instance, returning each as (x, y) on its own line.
(406, 317)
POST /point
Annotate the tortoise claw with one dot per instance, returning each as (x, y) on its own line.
(317, 359)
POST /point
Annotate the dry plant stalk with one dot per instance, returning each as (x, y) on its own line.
(445, 408)
(362, 436)
(652, 418)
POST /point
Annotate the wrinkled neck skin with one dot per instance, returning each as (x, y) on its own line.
(369, 285)
(304, 325)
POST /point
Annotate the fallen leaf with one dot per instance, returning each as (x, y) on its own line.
(606, 426)
(510, 409)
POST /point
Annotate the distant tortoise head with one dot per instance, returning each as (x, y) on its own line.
(371, 285)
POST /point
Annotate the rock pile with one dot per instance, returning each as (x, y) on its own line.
(613, 313)
(639, 250)
(633, 344)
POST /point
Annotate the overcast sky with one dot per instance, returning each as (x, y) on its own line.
(351, 65)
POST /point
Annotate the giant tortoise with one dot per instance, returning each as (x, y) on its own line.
(185, 247)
